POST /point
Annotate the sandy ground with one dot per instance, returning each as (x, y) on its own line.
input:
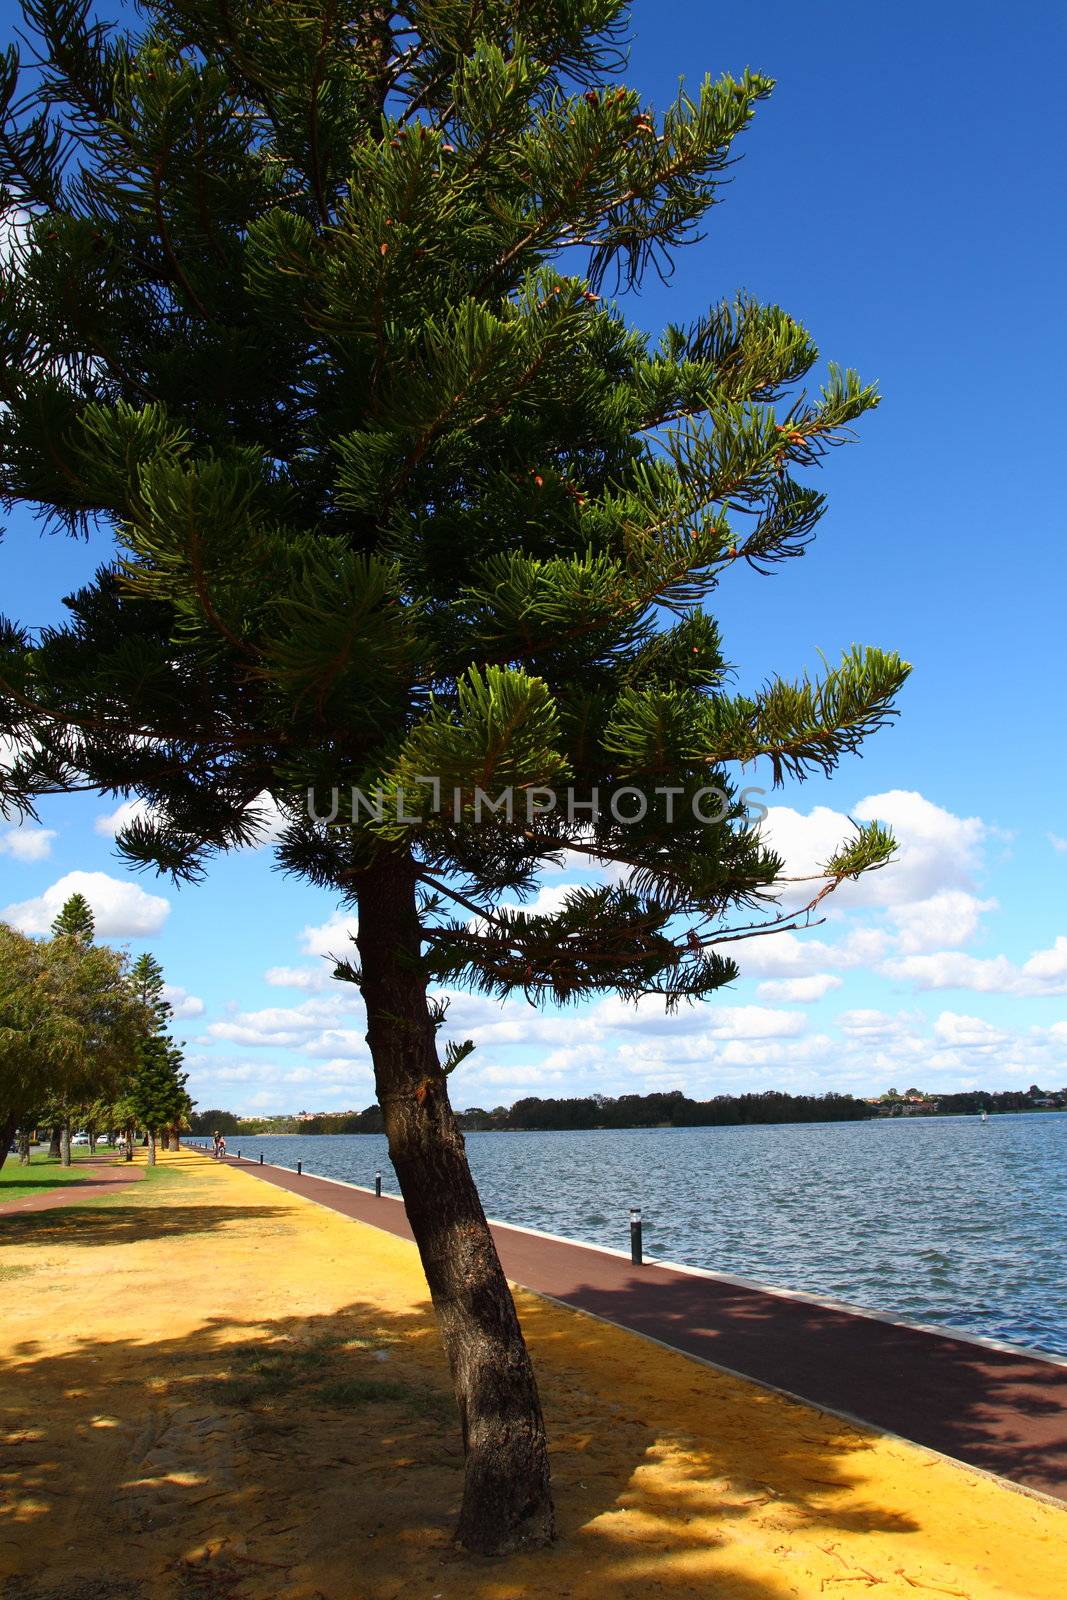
(211, 1388)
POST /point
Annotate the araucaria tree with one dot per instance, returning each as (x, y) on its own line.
(156, 1092)
(305, 301)
(75, 920)
(73, 930)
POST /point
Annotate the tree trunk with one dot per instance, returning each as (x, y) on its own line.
(129, 1144)
(24, 1148)
(92, 1143)
(507, 1498)
(8, 1124)
(64, 1144)
(151, 1149)
(53, 1143)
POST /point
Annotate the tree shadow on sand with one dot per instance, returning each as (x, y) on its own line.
(1002, 1411)
(129, 1223)
(319, 1456)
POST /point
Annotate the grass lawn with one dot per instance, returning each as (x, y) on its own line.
(44, 1173)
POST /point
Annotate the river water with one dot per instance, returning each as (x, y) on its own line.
(942, 1220)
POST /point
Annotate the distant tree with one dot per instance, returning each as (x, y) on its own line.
(475, 1120)
(157, 1092)
(213, 1121)
(32, 1038)
(94, 989)
(92, 1117)
(75, 920)
(124, 1120)
(67, 1028)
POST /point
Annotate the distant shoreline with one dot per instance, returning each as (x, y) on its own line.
(660, 1127)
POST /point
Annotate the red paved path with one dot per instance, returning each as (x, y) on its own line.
(97, 1180)
(1005, 1412)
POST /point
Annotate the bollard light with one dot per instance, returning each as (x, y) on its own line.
(378, 1184)
(261, 1158)
(299, 1168)
(636, 1252)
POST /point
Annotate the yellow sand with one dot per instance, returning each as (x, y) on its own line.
(213, 1388)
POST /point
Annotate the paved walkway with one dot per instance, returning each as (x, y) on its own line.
(1003, 1411)
(97, 1180)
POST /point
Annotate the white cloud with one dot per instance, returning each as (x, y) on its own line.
(571, 861)
(348, 1044)
(925, 900)
(1058, 844)
(547, 901)
(650, 1015)
(872, 1024)
(27, 843)
(14, 226)
(970, 1033)
(755, 1022)
(801, 955)
(936, 849)
(945, 920)
(799, 991)
(183, 1003)
(313, 978)
(276, 1026)
(109, 824)
(1043, 973)
(269, 819)
(12, 746)
(804, 840)
(121, 909)
(330, 938)
(1047, 966)
(248, 1086)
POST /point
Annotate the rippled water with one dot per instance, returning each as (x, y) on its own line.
(947, 1220)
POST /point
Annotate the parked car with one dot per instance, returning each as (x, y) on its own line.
(80, 1138)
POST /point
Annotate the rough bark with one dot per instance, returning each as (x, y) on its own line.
(8, 1123)
(53, 1143)
(24, 1148)
(64, 1144)
(151, 1149)
(507, 1499)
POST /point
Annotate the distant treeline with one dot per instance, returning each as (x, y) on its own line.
(976, 1100)
(670, 1110)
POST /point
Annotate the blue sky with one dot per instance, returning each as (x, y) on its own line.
(900, 194)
